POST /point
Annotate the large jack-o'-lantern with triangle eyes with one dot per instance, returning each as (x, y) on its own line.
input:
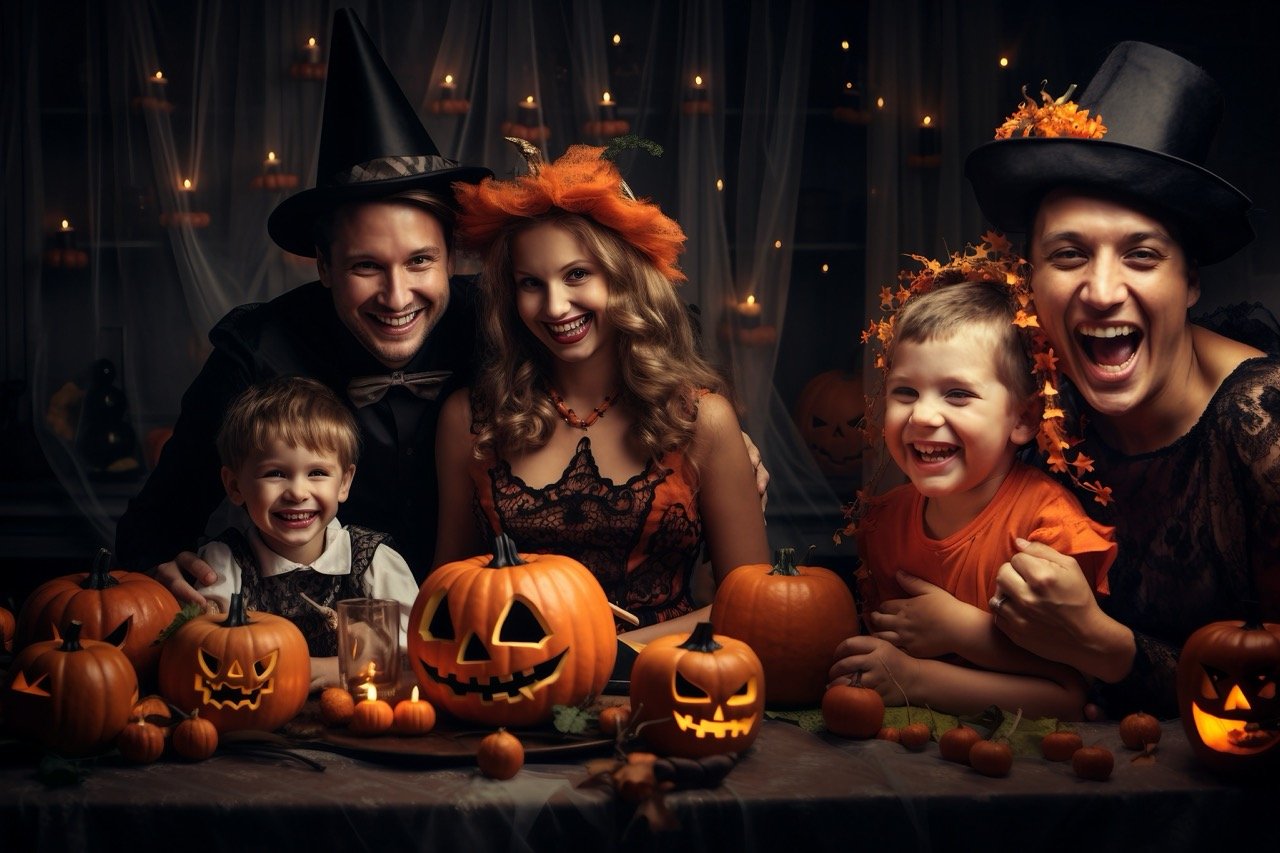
(247, 670)
(502, 639)
(698, 696)
(1227, 676)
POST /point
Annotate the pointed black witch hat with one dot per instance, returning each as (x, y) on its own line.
(1161, 112)
(372, 143)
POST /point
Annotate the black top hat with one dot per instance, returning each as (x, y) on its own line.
(1161, 113)
(372, 143)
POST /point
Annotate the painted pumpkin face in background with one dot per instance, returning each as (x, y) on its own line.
(701, 695)
(501, 640)
(1227, 683)
(829, 414)
(246, 670)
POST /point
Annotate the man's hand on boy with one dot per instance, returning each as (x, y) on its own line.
(173, 576)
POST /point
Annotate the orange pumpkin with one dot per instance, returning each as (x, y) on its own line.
(793, 617)
(126, 609)
(249, 670)
(413, 716)
(195, 738)
(7, 625)
(501, 639)
(73, 695)
(698, 696)
(1227, 682)
(140, 742)
(829, 414)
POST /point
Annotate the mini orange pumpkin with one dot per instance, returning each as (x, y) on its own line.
(249, 670)
(698, 696)
(501, 639)
(140, 742)
(793, 617)
(126, 609)
(195, 738)
(72, 695)
(1227, 683)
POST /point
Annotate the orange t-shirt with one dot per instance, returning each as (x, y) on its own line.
(1028, 504)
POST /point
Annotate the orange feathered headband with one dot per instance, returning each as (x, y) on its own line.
(580, 182)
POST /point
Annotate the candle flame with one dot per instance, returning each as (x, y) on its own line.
(529, 100)
(413, 697)
(880, 103)
(186, 183)
(777, 244)
(606, 97)
(1004, 62)
(271, 155)
(66, 226)
(311, 42)
(751, 300)
(617, 38)
(926, 121)
(371, 692)
(848, 85)
(826, 268)
(697, 79)
(720, 184)
(448, 79)
(159, 75)
(844, 44)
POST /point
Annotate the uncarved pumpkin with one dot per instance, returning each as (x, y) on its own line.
(247, 670)
(126, 609)
(793, 617)
(71, 694)
(502, 639)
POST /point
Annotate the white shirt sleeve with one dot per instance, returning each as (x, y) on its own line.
(218, 556)
(389, 576)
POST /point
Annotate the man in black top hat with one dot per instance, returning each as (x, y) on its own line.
(385, 327)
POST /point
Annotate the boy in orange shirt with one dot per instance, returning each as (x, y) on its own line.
(959, 402)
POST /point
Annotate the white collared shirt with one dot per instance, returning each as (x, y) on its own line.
(388, 575)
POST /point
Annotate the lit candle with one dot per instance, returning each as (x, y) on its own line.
(414, 716)
(607, 107)
(928, 137)
(851, 96)
(271, 165)
(448, 89)
(66, 236)
(528, 112)
(311, 52)
(699, 90)
(186, 186)
(749, 312)
(372, 716)
(156, 83)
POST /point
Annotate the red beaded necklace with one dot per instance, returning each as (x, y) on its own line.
(571, 417)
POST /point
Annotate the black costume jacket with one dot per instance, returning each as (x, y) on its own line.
(299, 333)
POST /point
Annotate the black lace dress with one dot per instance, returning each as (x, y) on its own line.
(1198, 524)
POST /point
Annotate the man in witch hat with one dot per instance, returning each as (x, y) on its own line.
(385, 327)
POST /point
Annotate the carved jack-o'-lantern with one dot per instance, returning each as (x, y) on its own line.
(250, 670)
(698, 696)
(72, 695)
(1227, 676)
(829, 415)
(126, 609)
(502, 639)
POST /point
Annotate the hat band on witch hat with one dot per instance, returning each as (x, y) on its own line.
(389, 168)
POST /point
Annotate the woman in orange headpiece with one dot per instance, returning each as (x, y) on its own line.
(595, 429)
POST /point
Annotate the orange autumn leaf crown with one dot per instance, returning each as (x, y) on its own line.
(992, 260)
(580, 182)
(1050, 118)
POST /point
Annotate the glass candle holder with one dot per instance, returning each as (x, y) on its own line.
(369, 646)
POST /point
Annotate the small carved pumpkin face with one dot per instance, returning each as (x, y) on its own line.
(501, 640)
(829, 415)
(247, 670)
(1227, 678)
(700, 695)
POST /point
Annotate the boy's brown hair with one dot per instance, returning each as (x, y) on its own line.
(964, 308)
(298, 411)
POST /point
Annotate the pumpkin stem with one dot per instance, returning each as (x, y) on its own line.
(505, 553)
(784, 562)
(71, 637)
(702, 639)
(1252, 614)
(100, 574)
(235, 612)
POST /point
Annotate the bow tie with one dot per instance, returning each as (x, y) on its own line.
(365, 390)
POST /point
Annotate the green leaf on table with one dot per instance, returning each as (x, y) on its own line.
(571, 720)
(185, 615)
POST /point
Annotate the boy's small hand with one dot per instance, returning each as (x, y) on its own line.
(885, 668)
(929, 624)
(173, 576)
